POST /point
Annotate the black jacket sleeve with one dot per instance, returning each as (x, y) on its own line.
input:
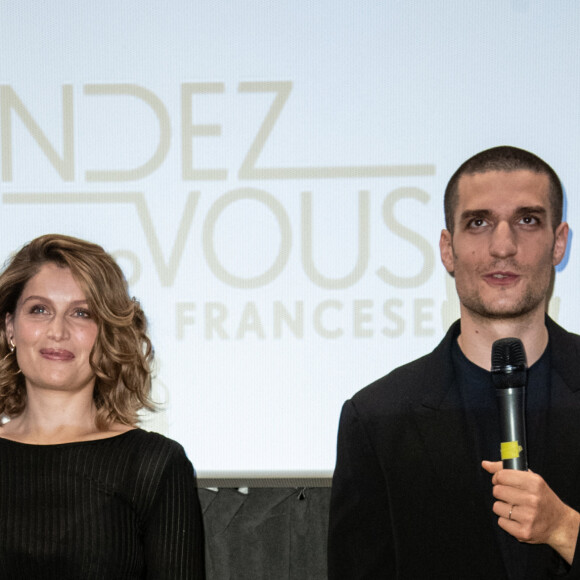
(360, 542)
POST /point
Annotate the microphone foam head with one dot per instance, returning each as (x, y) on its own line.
(508, 363)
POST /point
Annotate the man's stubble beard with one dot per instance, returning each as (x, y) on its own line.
(535, 294)
(529, 302)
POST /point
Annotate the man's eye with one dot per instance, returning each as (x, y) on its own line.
(477, 223)
(529, 220)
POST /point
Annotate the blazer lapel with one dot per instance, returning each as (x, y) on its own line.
(440, 418)
(559, 466)
(563, 423)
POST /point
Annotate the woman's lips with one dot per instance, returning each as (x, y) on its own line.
(56, 354)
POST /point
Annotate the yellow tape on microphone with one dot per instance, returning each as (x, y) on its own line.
(510, 450)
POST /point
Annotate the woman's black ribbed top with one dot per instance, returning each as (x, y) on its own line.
(122, 508)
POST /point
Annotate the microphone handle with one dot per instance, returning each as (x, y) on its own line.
(512, 413)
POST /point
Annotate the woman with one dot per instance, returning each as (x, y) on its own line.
(84, 494)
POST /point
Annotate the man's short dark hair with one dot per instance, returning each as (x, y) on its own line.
(503, 158)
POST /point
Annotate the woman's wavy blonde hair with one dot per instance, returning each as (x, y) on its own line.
(122, 354)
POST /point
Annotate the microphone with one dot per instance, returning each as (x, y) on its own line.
(509, 372)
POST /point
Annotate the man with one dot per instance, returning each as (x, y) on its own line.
(415, 494)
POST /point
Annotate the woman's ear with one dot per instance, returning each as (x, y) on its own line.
(9, 322)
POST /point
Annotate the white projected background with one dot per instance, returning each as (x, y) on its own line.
(270, 178)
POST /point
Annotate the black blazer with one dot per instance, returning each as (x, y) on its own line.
(403, 503)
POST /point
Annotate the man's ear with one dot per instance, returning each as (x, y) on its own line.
(560, 243)
(446, 250)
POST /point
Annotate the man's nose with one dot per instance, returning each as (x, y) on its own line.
(503, 242)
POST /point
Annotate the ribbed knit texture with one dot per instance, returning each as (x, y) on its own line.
(119, 508)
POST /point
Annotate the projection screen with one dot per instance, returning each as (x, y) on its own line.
(270, 175)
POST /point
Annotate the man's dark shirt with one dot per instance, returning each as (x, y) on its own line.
(480, 406)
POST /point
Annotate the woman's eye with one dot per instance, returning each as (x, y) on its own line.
(82, 313)
(38, 309)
